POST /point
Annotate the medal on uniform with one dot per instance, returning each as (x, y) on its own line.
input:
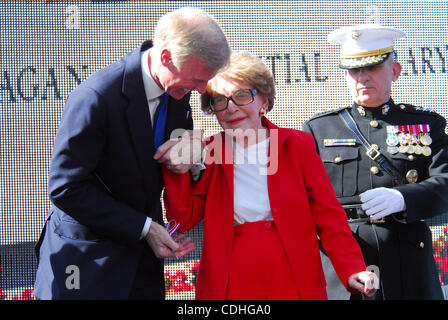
(404, 136)
(425, 138)
(392, 138)
(418, 150)
(426, 151)
(403, 141)
(402, 149)
(413, 138)
(392, 149)
(414, 132)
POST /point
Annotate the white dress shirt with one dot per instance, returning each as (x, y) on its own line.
(152, 91)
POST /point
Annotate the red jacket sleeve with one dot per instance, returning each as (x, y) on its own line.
(332, 226)
(184, 200)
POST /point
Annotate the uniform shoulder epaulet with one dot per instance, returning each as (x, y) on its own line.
(416, 109)
(324, 113)
(420, 110)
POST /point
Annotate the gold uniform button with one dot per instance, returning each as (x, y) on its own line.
(412, 176)
(422, 245)
(337, 159)
(373, 123)
(402, 106)
(411, 157)
(374, 170)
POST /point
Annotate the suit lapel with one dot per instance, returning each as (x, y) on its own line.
(227, 161)
(278, 137)
(137, 114)
(138, 118)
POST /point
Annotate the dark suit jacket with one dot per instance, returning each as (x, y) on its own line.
(103, 183)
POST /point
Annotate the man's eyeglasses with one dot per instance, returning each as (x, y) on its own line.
(240, 98)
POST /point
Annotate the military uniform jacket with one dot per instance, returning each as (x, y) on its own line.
(406, 264)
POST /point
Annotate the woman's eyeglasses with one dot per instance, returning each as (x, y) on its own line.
(240, 98)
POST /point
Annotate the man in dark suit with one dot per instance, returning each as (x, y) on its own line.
(388, 164)
(104, 236)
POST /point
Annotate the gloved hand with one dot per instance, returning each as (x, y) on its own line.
(381, 202)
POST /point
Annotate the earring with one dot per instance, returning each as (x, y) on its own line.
(261, 112)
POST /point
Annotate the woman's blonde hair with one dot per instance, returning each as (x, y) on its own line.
(248, 69)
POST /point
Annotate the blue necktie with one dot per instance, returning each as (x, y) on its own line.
(160, 120)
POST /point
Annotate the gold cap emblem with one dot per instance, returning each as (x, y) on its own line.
(356, 34)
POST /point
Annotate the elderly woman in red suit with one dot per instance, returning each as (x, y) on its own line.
(264, 198)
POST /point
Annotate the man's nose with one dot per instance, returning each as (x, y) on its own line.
(363, 73)
(201, 87)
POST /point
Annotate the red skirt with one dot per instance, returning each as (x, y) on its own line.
(260, 269)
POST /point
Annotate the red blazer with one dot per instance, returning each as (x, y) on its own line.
(303, 206)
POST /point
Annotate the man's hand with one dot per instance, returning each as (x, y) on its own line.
(381, 202)
(180, 154)
(166, 247)
(366, 282)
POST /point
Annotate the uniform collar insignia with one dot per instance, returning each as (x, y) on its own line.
(361, 111)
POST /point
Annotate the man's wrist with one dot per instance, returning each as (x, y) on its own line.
(146, 227)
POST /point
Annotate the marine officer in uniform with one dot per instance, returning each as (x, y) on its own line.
(388, 164)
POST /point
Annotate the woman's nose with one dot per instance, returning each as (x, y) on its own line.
(232, 107)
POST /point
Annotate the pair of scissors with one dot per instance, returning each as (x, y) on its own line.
(172, 227)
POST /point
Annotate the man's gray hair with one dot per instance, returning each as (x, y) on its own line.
(192, 32)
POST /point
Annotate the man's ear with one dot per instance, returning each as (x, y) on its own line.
(165, 57)
(396, 69)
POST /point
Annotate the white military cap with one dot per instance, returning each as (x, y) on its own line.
(365, 44)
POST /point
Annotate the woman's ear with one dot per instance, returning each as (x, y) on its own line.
(265, 104)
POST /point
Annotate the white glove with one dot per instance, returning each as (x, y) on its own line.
(381, 202)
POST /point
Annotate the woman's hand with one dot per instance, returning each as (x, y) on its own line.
(366, 282)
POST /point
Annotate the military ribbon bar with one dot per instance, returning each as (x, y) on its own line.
(339, 142)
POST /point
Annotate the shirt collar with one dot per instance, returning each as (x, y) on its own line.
(152, 90)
